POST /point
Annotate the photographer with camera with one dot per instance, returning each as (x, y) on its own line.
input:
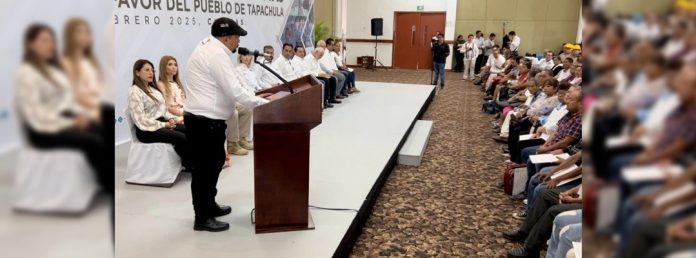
(440, 53)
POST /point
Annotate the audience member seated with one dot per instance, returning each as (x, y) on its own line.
(537, 226)
(328, 65)
(567, 70)
(330, 82)
(148, 110)
(283, 64)
(547, 62)
(338, 54)
(266, 77)
(46, 107)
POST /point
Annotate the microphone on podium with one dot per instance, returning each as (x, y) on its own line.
(256, 55)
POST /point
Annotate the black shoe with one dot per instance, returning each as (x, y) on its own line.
(433, 83)
(522, 252)
(500, 139)
(345, 95)
(333, 101)
(211, 225)
(519, 197)
(327, 105)
(339, 97)
(516, 236)
(224, 210)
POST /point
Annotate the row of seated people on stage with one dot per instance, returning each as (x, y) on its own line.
(325, 62)
(641, 116)
(538, 106)
(156, 103)
(60, 98)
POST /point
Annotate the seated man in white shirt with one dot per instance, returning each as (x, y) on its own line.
(267, 78)
(283, 65)
(336, 53)
(251, 72)
(328, 65)
(567, 70)
(547, 62)
(298, 61)
(311, 62)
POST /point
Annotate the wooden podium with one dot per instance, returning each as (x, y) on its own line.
(281, 156)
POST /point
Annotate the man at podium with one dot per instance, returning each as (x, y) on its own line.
(214, 88)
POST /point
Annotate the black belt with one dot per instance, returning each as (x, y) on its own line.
(202, 119)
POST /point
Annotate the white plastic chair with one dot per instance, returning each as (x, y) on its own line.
(155, 164)
(53, 181)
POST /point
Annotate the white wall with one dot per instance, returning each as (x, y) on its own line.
(362, 11)
(15, 17)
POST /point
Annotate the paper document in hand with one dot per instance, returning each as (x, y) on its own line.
(564, 172)
(526, 137)
(547, 158)
(649, 173)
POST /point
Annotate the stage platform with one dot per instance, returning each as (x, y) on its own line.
(353, 151)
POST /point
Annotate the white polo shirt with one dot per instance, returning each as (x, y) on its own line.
(214, 86)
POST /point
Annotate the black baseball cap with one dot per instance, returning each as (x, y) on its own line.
(226, 27)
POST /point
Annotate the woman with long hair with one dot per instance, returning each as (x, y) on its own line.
(82, 67)
(172, 88)
(47, 108)
(147, 109)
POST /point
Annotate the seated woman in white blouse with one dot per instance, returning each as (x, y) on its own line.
(171, 87)
(47, 108)
(148, 111)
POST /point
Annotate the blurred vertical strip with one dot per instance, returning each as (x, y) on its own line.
(56, 129)
(640, 200)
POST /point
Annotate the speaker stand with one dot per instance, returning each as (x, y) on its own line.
(374, 65)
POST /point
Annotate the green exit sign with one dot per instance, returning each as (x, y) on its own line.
(420, 8)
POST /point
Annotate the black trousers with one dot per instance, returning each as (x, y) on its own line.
(521, 126)
(207, 147)
(458, 62)
(176, 137)
(94, 142)
(480, 62)
(329, 88)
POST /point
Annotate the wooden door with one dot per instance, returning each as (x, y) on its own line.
(412, 34)
(406, 40)
(430, 23)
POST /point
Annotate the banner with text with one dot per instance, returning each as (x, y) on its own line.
(150, 29)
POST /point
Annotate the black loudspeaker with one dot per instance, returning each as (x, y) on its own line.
(377, 27)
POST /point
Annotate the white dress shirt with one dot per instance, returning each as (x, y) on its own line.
(563, 74)
(470, 50)
(488, 45)
(252, 77)
(496, 64)
(266, 77)
(515, 43)
(553, 118)
(545, 64)
(300, 65)
(285, 68)
(328, 63)
(313, 66)
(214, 86)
